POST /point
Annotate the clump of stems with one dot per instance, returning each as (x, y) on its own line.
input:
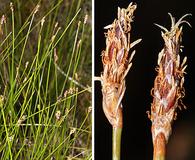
(116, 64)
(168, 88)
(45, 101)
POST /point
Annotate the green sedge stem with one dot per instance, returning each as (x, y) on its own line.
(116, 143)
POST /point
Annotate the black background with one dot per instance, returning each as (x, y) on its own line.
(136, 136)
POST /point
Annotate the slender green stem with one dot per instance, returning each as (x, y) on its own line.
(116, 143)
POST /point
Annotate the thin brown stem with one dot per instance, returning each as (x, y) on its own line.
(159, 147)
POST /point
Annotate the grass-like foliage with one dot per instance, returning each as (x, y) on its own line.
(45, 79)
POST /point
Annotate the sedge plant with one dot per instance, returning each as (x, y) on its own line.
(168, 88)
(117, 62)
(44, 100)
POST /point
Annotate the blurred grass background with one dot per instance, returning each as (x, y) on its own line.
(45, 79)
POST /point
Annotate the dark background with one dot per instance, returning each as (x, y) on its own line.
(136, 136)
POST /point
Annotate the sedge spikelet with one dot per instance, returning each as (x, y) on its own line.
(168, 88)
(116, 63)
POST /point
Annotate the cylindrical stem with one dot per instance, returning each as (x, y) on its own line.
(116, 143)
(159, 147)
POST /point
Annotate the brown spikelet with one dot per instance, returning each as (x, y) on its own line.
(116, 63)
(2, 21)
(168, 88)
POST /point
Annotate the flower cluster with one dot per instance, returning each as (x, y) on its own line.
(116, 63)
(168, 88)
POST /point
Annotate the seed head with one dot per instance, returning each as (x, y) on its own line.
(116, 63)
(168, 88)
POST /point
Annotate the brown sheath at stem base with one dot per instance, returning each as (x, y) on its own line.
(159, 147)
